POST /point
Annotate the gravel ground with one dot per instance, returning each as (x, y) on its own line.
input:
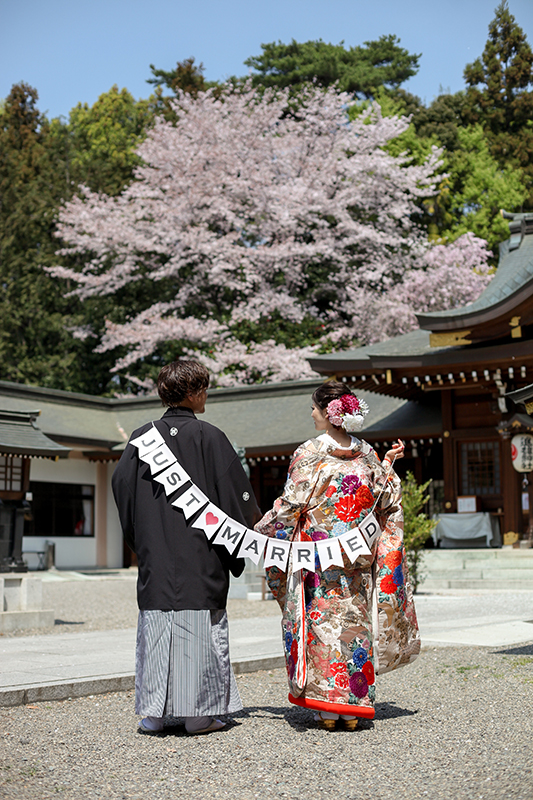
(110, 603)
(456, 724)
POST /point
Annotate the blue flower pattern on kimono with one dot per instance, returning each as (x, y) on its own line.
(360, 657)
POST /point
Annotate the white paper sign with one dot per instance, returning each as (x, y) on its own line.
(230, 534)
(354, 544)
(371, 529)
(329, 552)
(210, 520)
(252, 546)
(159, 459)
(172, 478)
(277, 553)
(303, 556)
(191, 501)
(148, 441)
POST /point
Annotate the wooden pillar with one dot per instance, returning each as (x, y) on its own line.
(511, 491)
(101, 514)
(448, 452)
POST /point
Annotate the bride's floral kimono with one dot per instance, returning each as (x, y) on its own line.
(342, 625)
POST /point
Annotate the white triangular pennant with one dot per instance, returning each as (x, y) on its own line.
(277, 553)
(370, 528)
(191, 501)
(354, 544)
(159, 459)
(303, 556)
(172, 478)
(329, 552)
(230, 534)
(252, 546)
(210, 520)
(148, 441)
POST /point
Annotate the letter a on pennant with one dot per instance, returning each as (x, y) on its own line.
(329, 552)
(191, 501)
(303, 556)
(354, 544)
(252, 546)
(172, 478)
(371, 529)
(277, 553)
(210, 520)
(148, 441)
(230, 534)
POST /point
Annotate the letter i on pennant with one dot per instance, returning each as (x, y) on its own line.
(329, 553)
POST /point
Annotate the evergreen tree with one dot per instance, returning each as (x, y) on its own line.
(36, 345)
(358, 70)
(499, 94)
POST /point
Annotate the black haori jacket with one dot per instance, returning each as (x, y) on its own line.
(178, 567)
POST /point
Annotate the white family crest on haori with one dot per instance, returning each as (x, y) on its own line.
(223, 530)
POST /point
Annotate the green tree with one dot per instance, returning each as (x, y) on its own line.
(99, 150)
(360, 70)
(36, 345)
(499, 95)
(417, 525)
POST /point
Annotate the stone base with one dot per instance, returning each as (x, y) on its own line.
(25, 620)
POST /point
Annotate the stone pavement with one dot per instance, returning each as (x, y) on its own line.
(44, 667)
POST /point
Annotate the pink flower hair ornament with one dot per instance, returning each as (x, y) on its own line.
(347, 412)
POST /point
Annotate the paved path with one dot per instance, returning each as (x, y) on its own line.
(76, 664)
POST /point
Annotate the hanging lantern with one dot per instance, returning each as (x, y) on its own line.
(522, 452)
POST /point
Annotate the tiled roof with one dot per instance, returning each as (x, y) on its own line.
(19, 436)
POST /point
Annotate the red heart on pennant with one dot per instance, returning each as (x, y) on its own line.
(210, 519)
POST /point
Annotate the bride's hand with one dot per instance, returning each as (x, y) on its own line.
(396, 452)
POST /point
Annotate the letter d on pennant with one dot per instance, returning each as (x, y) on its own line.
(371, 529)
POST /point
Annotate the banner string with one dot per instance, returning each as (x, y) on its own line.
(384, 484)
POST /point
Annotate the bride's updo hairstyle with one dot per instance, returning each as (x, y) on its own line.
(331, 390)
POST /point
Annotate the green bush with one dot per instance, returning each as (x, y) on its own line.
(417, 525)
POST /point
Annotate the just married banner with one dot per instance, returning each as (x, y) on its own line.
(236, 538)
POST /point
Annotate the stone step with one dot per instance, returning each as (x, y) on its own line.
(483, 554)
(434, 584)
(509, 575)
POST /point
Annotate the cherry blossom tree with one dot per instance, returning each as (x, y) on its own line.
(264, 230)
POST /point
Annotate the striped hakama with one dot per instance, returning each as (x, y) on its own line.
(182, 665)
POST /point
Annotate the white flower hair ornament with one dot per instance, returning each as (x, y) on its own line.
(347, 412)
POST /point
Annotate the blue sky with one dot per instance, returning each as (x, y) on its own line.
(73, 50)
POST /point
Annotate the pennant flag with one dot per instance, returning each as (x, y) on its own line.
(210, 520)
(371, 529)
(252, 546)
(159, 459)
(354, 544)
(191, 501)
(172, 478)
(148, 441)
(277, 553)
(230, 534)
(329, 552)
(303, 556)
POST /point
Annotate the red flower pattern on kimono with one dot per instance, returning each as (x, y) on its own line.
(368, 671)
(364, 496)
(294, 650)
(387, 585)
(348, 509)
(393, 559)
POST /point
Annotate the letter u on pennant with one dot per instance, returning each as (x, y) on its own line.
(172, 478)
(277, 553)
(159, 459)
